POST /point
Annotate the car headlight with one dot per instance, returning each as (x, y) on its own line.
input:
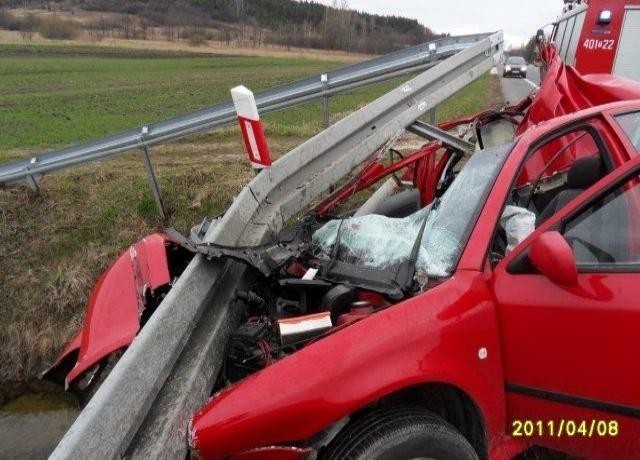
(507, 68)
(524, 68)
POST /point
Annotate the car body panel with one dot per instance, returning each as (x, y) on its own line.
(564, 90)
(435, 337)
(116, 303)
(427, 338)
(585, 335)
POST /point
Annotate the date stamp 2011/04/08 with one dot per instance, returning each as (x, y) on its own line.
(565, 428)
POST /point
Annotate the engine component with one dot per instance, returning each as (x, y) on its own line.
(359, 310)
(249, 350)
(288, 307)
(338, 299)
(295, 331)
(299, 296)
(250, 298)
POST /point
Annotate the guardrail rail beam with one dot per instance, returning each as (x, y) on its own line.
(383, 68)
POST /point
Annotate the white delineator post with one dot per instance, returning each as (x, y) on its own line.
(254, 139)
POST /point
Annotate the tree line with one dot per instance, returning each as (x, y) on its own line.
(287, 23)
(527, 51)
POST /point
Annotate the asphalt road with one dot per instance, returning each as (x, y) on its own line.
(514, 89)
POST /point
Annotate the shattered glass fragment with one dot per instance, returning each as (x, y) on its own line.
(380, 242)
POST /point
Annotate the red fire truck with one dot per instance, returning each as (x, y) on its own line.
(600, 36)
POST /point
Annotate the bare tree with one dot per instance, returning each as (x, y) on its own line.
(238, 10)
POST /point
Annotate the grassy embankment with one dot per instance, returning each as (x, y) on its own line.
(55, 245)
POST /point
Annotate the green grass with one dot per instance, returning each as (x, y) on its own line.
(50, 102)
(56, 244)
(483, 93)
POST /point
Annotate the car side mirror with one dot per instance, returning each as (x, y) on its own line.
(540, 36)
(552, 256)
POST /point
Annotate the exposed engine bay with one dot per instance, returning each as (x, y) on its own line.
(289, 314)
(300, 293)
(337, 265)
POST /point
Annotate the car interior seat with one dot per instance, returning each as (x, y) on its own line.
(583, 174)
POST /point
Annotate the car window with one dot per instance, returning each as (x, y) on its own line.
(556, 156)
(553, 174)
(630, 123)
(607, 233)
(557, 171)
(516, 61)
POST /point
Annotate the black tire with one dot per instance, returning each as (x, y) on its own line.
(400, 433)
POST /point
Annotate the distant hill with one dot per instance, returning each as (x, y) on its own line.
(282, 22)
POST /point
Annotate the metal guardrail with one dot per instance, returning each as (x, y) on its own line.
(143, 407)
(384, 68)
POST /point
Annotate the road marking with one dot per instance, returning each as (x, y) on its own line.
(531, 83)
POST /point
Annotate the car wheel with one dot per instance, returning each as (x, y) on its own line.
(400, 432)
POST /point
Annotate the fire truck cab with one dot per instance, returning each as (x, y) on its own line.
(600, 36)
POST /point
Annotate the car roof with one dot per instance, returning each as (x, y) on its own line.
(613, 107)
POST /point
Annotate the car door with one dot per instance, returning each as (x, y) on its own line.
(571, 352)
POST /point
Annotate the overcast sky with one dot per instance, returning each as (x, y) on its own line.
(519, 19)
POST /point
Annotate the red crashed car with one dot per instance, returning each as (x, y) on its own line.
(484, 307)
(524, 333)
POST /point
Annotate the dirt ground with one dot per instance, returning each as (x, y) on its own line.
(155, 40)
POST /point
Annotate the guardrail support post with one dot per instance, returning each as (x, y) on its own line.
(33, 184)
(325, 107)
(325, 99)
(31, 179)
(432, 117)
(153, 183)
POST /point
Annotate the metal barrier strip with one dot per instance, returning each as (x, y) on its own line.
(355, 76)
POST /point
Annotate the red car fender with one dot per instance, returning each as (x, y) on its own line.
(446, 335)
(116, 304)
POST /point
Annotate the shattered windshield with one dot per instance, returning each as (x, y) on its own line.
(380, 242)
